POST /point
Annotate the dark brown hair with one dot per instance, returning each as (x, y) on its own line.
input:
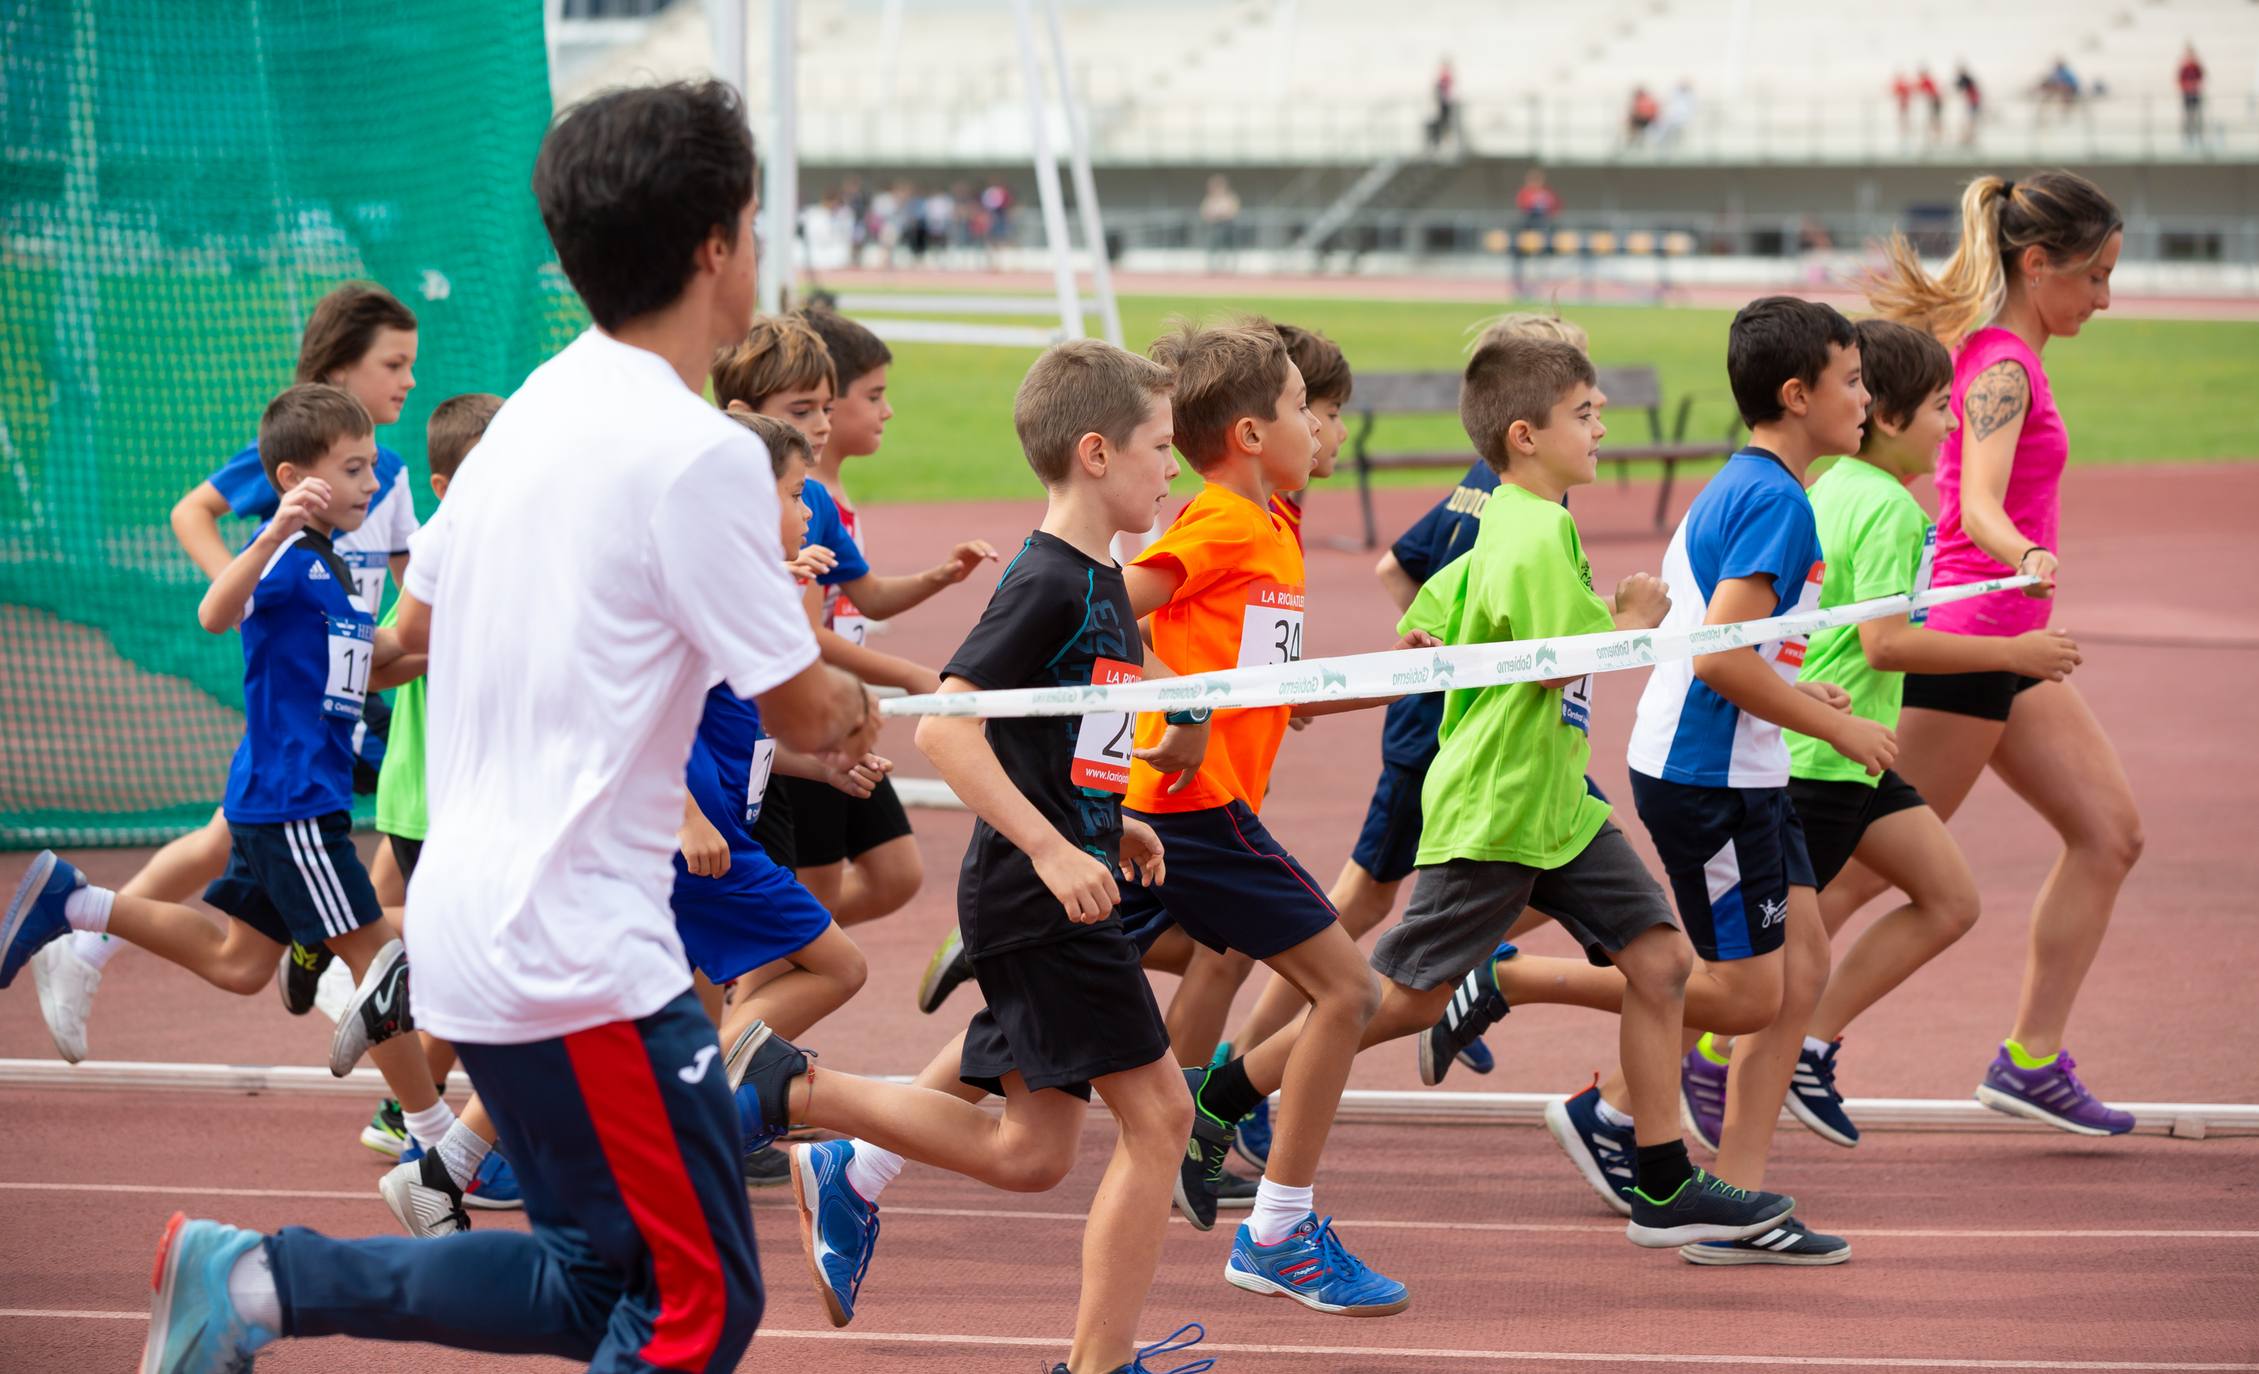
(455, 427)
(1516, 378)
(1325, 369)
(1903, 367)
(2061, 212)
(854, 349)
(344, 327)
(1224, 373)
(779, 353)
(1082, 386)
(1774, 339)
(302, 423)
(782, 438)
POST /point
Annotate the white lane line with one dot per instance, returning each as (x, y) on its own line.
(1362, 1352)
(1597, 1228)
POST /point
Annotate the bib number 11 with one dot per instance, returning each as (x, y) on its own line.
(351, 642)
(1102, 746)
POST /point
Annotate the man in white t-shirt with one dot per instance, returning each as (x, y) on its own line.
(613, 552)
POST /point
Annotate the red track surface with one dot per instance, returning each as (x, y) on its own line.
(2039, 1249)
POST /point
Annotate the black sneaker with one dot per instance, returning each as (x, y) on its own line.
(378, 1011)
(1476, 1006)
(948, 969)
(1702, 1208)
(1201, 1172)
(767, 1167)
(301, 976)
(1791, 1242)
(1235, 1191)
(761, 1066)
(424, 1198)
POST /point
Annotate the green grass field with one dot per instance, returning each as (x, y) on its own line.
(2131, 390)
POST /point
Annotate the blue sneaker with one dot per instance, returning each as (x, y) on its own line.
(495, 1186)
(1813, 1099)
(1477, 1056)
(193, 1327)
(1172, 1344)
(35, 913)
(1315, 1269)
(1252, 1140)
(838, 1229)
(1606, 1155)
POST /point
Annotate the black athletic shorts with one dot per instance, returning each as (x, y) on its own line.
(1836, 812)
(1732, 854)
(774, 829)
(405, 852)
(1986, 695)
(829, 826)
(1063, 1012)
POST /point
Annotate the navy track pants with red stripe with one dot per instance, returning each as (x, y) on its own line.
(624, 1139)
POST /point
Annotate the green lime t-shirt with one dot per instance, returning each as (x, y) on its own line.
(1507, 784)
(400, 783)
(1877, 541)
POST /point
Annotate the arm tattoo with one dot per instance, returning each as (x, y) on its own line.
(1997, 399)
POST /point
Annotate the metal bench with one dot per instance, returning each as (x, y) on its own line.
(1432, 393)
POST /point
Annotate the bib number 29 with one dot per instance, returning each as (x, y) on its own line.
(1102, 745)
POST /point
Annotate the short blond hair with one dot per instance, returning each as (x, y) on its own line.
(1082, 386)
(1529, 324)
(1516, 378)
(1223, 373)
(779, 353)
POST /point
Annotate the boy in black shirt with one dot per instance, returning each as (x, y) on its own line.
(1069, 1009)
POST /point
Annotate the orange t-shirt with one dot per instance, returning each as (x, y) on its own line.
(1288, 510)
(1239, 606)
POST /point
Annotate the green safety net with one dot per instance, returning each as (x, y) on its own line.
(183, 180)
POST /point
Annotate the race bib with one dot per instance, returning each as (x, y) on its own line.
(1102, 746)
(1576, 704)
(370, 569)
(1788, 654)
(757, 778)
(1923, 570)
(1272, 631)
(847, 622)
(351, 642)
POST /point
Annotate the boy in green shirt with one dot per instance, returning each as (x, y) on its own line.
(1879, 541)
(1509, 822)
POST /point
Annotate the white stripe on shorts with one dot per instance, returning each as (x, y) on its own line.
(326, 899)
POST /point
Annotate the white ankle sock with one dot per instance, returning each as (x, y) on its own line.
(462, 1151)
(429, 1126)
(251, 1288)
(1615, 1117)
(95, 948)
(88, 908)
(1278, 1210)
(1816, 1045)
(871, 1169)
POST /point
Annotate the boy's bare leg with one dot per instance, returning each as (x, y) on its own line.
(1171, 952)
(1728, 998)
(1121, 1243)
(181, 870)
(1343, 994)
(1655, 967)
(439, 1055)
(1912, 851)
(879, 881)
(818, 980)
(385, 876)
(1362, 902)
(225, 953)
(1024, 1151)
(1197, 1013)
(1765, 1061)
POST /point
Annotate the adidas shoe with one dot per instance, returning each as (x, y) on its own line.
(1606, 1155)
(838, 1229)
(379, 1010)
(1314, 1268)
(423, 1199)
(1200, 1173)
(66, 986)
(387, 1131)
(193, 1325)
(34, 918)
(1702, 1098)
(949, 967)
(1791, 1242)
(1813, 1099)
(1251, 1139)
(761, 1066)
(300, 977)
(1476, 1006)
(1702, 1208)
(2051, 1093)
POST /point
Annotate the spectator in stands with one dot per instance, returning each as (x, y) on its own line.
(1927, 85)
(1446, 119)
(2060, 87)
(2192, 96)
(938, 217)
(1538, 202)
(1972, 98)
(1219, 211)
(1902, 91)
(996, 199)
(1677, 115)
(1643, 114)
(827, 233)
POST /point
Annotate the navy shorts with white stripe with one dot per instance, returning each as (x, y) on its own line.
(299, 880)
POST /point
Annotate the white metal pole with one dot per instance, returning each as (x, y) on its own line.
(1047, 176)
(1086, 188)
(780, 191)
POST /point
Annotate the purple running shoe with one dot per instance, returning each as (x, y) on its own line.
(1702, 1098)
(2052, 1094)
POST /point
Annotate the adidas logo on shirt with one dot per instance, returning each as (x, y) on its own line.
(315, 572)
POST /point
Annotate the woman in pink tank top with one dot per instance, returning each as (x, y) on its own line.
(2033, 265)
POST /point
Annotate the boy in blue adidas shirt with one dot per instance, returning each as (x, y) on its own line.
(293, 874)
(1709, 769)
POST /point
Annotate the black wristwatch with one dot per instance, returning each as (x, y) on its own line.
(1197, 715)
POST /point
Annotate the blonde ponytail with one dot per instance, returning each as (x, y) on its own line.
(2061, 212)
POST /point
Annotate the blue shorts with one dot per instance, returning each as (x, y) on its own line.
(1230, 885)
(296, 881)
(755, 914)
(1732, 854)
(1391, 837)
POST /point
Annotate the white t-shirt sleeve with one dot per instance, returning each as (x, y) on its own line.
(721, 569)
(427, 555)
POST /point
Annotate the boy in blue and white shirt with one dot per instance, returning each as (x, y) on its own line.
(1709, 769)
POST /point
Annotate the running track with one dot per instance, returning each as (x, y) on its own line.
(1995, 1249)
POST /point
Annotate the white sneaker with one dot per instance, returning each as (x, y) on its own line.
(423, 1199)
(335, 990)
(66, 994)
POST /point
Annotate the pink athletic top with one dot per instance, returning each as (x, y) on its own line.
(2033, 499)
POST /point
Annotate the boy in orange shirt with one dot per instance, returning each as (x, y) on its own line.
(1223, 588)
